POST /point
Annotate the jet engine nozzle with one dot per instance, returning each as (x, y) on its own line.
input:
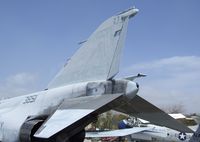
(131, 89)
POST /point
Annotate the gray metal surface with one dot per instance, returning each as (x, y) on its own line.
(196, 136)
(71, 113)
(90, 102)
(99, 56)
(141, 108)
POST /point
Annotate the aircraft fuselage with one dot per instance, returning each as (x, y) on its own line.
(15, 111)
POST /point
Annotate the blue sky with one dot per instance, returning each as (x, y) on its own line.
(163, 40)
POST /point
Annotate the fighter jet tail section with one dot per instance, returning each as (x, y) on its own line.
(99, 56)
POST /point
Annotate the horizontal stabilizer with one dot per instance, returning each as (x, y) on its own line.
(71, 113)
(141, 108)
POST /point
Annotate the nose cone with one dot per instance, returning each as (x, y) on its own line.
(131, 89)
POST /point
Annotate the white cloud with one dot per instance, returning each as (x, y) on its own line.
(171, 81)
(18, 84)
(20, 79)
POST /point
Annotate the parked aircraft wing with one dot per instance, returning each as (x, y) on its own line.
(74, 114)
(141, 108)
(116, 133)
(99, 56)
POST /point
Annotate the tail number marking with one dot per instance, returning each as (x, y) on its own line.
(30, 99)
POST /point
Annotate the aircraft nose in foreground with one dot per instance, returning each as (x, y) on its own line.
(132, 89)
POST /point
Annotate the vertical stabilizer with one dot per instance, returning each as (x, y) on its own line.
(99, 56)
